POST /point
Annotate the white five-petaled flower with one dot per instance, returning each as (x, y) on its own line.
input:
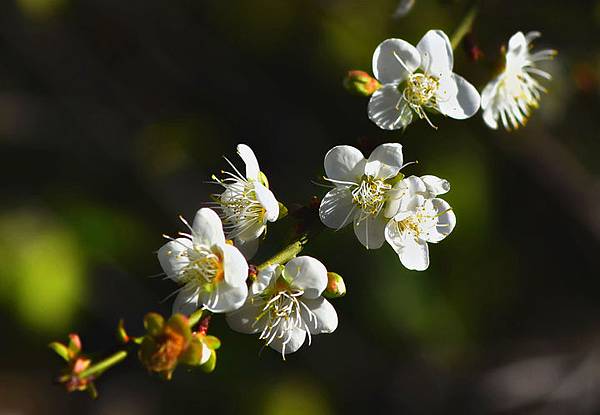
(285, 305)
(211, 272)
(415, 80)
(362, 189)
(246, 204)
(422, 217)
(512, 95)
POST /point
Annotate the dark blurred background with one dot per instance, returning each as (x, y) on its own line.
(114, 114)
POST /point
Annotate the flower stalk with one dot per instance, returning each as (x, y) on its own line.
(103, 365)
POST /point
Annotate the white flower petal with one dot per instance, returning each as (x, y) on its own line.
(446, 220)
(207, 228)
(457, 98)
(415, 185)
(223, 298)
(413, 253)
(435, 186)
(173, 257)
(186, 301)
(247, 248)
(307, 274)
(517, 44)
(266, 198)
(206, 352)
(490, 116)
(388, 109)
(286, 345)
(437, 58)
(531, 36)
(324, 318)
(489, 92)
(251, 231)
(243, 320)
(385, 161)
(344, 163)
(336, 208)
(264, 279)
(394, 60)
(370, 231)
(235, 266)
(395, 198)
(252, 168)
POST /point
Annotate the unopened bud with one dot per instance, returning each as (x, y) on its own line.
(121, 333)
(361, 83)
(335, 286)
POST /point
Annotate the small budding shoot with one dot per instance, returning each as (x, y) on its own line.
(361, 83)
(72, 376)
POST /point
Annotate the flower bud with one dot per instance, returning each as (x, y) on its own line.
(76, 364)
(361, 83)
(166, 344)
(335, 286)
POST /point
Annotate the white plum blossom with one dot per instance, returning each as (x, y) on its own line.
(421, 218)
(211, 272)
(362, 188)
(246, 204)
(285, 305)
(512, 95)
(417, 79)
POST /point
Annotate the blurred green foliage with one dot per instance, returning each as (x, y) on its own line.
(43, 272)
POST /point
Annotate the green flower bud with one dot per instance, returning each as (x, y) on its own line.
(166, 344)
(361, 83)
(335, 286)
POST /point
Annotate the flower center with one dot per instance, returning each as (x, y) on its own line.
(420, 90)
(282, 314)
(411, 224)
(205, 267)
(239, 205)
(370, 195)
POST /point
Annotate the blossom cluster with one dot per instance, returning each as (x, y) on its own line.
(283, 303)
(416, 81)
(383, 205)
(285, 300)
